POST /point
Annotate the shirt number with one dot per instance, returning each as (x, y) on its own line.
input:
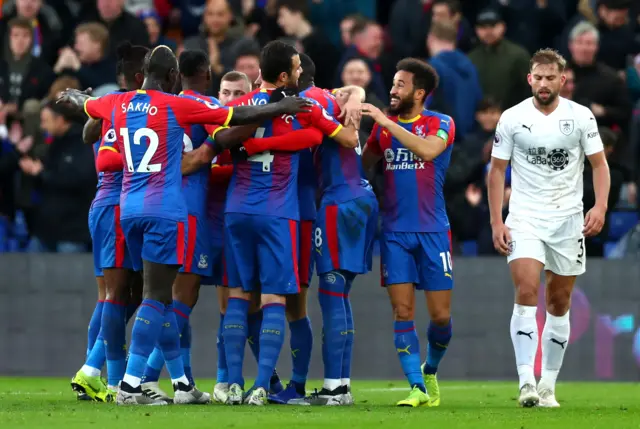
(188, 144)
(266, 158)
(446, 263)
(144, 166)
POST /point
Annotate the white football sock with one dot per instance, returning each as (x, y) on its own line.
(332, 384)
(182, 379)
(90, 371)
(555, 339)
(524, 335)
(131, 380)
(345, 382)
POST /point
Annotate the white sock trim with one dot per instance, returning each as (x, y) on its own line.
(90, 371)
(558, 320)
(525, 310)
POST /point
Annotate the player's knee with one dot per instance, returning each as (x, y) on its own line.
(527, 293)
(402, 312)
(186, 290)
(102, 289)
(269, 298)
(559, 302)
(441, 317)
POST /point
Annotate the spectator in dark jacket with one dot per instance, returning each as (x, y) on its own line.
(597, 85)
(459, 81)
(67, 181)
(367, 45)
(22, 76)
(294, 21)
(450, 12)
(154, 28)
(89, 61)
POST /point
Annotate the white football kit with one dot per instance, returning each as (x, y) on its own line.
(547, 155)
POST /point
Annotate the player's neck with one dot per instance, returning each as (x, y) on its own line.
(268, 85)
(411, 113)
(151, 84)
(199, 89)
(546, 109)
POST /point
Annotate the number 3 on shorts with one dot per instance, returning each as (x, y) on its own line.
(317, 238)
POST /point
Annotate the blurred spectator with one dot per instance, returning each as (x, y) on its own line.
(60, 85)
(248, 60)
(632, 77)
(502, 65)
(327, 14)
(215, 39)
(634, 152)
(89, 60)
(293, 18)
(261, 23)
(534, 24)
(122, 25)
(22, 76)
(597, 86)
(346, 25)
(45, 25)
(356, 72)
(459, 82)
(135, 7)
(189, 16)
(367, 45)
(569, 86)
(154, 28)
(409, 26)
(450, 11)
(66, 180)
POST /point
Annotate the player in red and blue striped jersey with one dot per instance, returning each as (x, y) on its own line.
(416, 145)
(111, 257)
(151, 125)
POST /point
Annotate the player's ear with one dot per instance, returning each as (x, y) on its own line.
(139, 77)
(530, 79)
(420, 94)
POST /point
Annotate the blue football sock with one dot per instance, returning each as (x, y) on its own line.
(114, 334)
(235, 333)
(154, 366)
(301, 342)
(146, 333)
(223, 372)
(94, 326)
(438, 337)
(253, 338)
(97, 356)
(183, 312)
(271, 341)
(130, 312)
(348, 346)
(331, 295)
(408, 348)
(169, 343)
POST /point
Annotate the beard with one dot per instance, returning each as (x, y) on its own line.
(405, 105)
(551, 97)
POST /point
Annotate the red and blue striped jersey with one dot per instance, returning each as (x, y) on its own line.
(219, 177)
(109, 183)
(195, 185)
(150, 129)
(339, 169)
(413, 188)
(267, 183)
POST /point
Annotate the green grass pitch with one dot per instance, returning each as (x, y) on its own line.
(49, 403)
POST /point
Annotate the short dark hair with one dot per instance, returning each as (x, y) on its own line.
(488, 103)
(300, 6)
(20, 22)
(276, 59)
(193, 63)
(360, 26)
(130, 61)
(548, 56)
(308, 71)
(247, 49)
(159, 62)
(424, 76)
(453, 5)
(61, 109)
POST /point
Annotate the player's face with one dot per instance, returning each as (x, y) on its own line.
(546, 82)
(402, 93)
(296, 70)
(229, 91)
(20, 41)
(584, 48)
(488, 119)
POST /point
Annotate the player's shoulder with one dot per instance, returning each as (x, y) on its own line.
(257, 96)
(430, 115)
(576, 110)
(515, 114)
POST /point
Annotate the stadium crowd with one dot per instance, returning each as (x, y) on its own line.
(480, 48)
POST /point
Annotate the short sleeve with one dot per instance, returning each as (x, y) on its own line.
(590, 140)
(109, 141)
(322, 120)
(445, 128)
(196, 111)
(503, 139)
(372, 142)
(99, 108)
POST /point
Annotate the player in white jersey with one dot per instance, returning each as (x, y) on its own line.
(546, 138)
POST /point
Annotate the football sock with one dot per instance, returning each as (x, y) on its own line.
(438, 338)
(223, 373)
(331, 294)
(183, 312)
(301, 342)
(255, 325)
(408, 347)
(555, 339)
(169, 343)
(350, 333)
(235, 336)
(114, 334)
(271, 341)
(524, 335)
(154, 366)
(94, 325)
(96, 357)
(146, 332)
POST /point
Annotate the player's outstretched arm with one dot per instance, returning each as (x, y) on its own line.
(290, 142)
(594, 220)
(287, 106)
(74, 98)
(92, 131)
(495, 187)
(352, 106)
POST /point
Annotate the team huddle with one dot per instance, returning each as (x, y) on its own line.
(250, 192)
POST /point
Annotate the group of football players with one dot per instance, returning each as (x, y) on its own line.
(248, 192)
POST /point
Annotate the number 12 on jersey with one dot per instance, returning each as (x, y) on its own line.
(152, 147)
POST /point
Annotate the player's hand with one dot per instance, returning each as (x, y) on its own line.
(351, 113)
(593, 221)
(293, 105)
(373, 112)
(501, 239)
(74, 96)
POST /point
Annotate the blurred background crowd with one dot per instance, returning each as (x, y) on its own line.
(480, 48)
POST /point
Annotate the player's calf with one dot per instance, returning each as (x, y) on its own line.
(271, 339)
